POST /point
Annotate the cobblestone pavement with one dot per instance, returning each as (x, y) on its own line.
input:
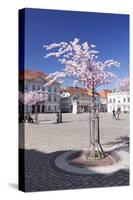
(41, 174)
(45, 141)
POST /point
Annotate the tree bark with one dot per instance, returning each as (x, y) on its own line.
(94, 146)
(92, 124)
(36, 114)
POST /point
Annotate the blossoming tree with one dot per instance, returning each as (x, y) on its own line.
(80, 61)
(123, 84)
(33, 98)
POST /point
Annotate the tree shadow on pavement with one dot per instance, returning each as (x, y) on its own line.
(37, 172)
(122, 142)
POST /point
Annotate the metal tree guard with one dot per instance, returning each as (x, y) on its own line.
(94, 129)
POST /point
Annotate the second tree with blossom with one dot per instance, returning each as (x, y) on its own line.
(33, 98)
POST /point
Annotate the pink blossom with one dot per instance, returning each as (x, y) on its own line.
(32, 97)
(81, 64)
(123, 84)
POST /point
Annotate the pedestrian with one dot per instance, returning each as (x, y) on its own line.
(114, 114)
(118, 113)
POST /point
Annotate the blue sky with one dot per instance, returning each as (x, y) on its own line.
(110, 33)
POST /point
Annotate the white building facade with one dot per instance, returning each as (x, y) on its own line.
(82, 103)
(37, 82)
(77, 100)
(103, 99)
(119, 100)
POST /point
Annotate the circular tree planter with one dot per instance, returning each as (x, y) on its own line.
(76, 162)
(84, 159)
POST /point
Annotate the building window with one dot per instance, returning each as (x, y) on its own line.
(49, 98)
(43, 109)
(113, 100)
(55, 89)
(38, 87)
(33, 87)
(33, 108)
(128, 99)
(110, 101)
(26, 108)
(119, 101)
(124, 100)
(49, 89)
(49, 108)
(43, 88)
(54, 108)
(38, 108)
(26, 87)
(55, 99)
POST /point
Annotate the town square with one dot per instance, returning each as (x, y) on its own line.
(74, 102)
(48, 139)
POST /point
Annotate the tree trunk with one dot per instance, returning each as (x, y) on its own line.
(92, 133)
(36, 114)
(94, 146)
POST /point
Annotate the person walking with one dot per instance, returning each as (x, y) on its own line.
(118, 113)
(114, 114)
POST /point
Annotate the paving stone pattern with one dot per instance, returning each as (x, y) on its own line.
(46, 140)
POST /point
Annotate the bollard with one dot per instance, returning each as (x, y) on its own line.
(60, 117)
(57, 117)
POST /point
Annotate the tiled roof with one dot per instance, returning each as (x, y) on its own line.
(75, 90)
(29, 75)
(103, 93)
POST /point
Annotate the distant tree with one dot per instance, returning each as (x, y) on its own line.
(123, 85)
(33, 98)
(81, 64)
